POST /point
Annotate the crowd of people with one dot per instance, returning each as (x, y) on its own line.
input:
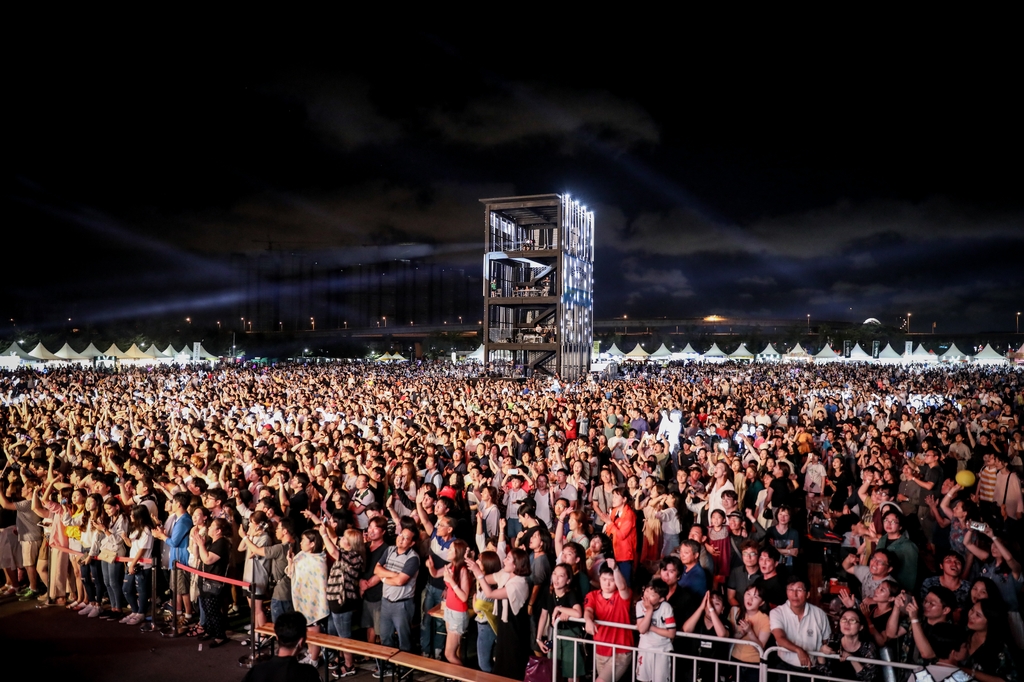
(439, 513)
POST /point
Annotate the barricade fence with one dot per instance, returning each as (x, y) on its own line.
(664, 666)
(172, 630)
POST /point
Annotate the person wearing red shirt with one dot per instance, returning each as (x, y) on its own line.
(620, 526)
(611, 604)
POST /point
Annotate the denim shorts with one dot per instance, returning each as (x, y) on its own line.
(456, 621)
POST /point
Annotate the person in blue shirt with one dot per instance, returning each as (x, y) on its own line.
(693, 579)
(177, 543)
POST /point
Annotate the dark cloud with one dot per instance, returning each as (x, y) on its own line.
(371, 213)
(544, 113)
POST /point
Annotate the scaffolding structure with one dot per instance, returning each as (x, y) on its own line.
(539, 284)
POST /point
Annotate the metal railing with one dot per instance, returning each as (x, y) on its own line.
(667, 664)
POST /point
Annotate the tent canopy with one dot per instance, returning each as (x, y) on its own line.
(40, 353)
(662, 352)
(614, 350)
(66, 352)
(826, 353)
(114, 351)
(771, 351)
(637, 352)
(15, 349)
(858, 353)
(715, 352)
(742, 353)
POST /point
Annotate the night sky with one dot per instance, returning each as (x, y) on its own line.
(738, 174)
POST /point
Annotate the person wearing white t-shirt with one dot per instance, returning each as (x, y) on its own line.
(655, 620)
(361, 499)
(798, 627)
(565, 490)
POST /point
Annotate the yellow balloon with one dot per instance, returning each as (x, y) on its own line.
(965, 479)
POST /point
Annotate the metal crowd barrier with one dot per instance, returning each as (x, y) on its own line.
(691, 665)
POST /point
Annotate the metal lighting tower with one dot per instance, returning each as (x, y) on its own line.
(539, 284)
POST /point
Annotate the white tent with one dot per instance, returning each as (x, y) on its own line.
(40, 353)
(155, 353)
(741, 353)
(858, 354)
(91, 351)
(889, 356)
(770, 353)
(663, 353)
(398, 357)
(115, 352)
(826, 354)
(798, 354)
(205, 354)
(477, 355)
(17, 351)
(922, 354)
(66, 352)
(384, 358)
(687, 353)
(989, 356)
(614, 351)
(715, 352)
(135, 353)
(954, 354)
(638, 353)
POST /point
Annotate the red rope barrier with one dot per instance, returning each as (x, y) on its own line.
(211, 576)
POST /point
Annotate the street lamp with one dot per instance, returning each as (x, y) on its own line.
(385, 318)
(187, 319)
(313, 322)
(460, 319)
(908, 322)
(808, 323)
(218, 325)
(1018, 323)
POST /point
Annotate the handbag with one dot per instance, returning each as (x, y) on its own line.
(108, 555)
(538, 669)
(210, 588)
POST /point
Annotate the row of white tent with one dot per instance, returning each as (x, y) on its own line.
(15, 355)
(888, 355)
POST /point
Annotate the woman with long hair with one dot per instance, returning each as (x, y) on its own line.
(752, 625)
(720, 537)
(112, 547)
(458, 585)
(137, 574)
(213, 556)
(561, 603)
(308, 571)
(511, 593)
(852, 639)
(487, 627)
(259, 580)
(349, 555)
(579, 529)
(601, 496)
(92, 572)
(74, 513)
(988, 656)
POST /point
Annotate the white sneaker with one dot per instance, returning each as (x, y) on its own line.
(86, 610)
(95, 612)
(136, 619)
(126, 619)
